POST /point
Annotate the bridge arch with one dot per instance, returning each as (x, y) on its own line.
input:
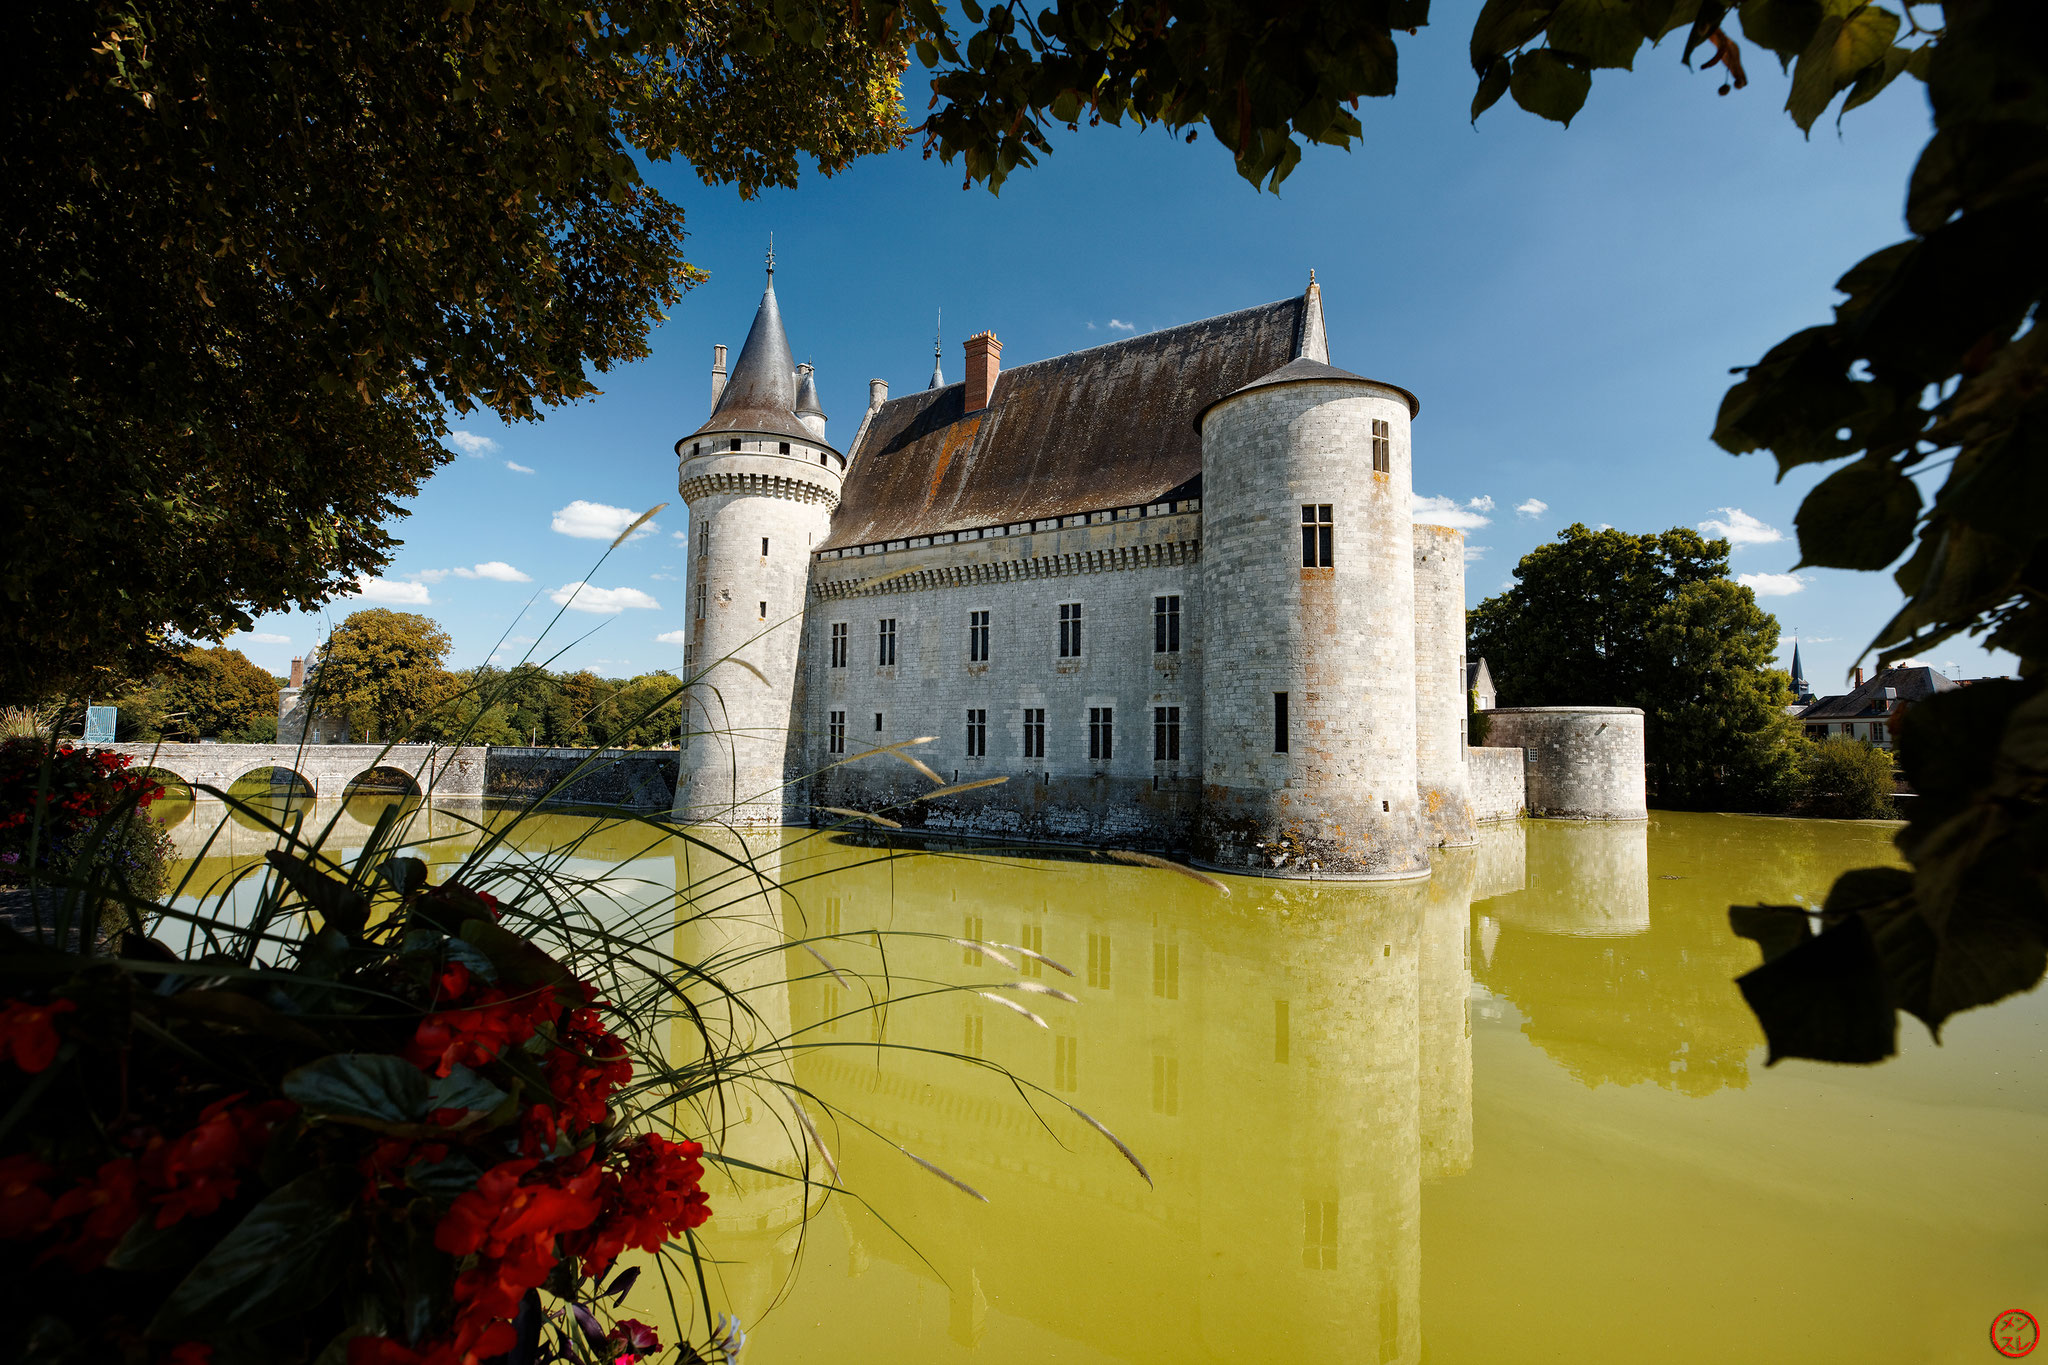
(329, 771)
(382, 780)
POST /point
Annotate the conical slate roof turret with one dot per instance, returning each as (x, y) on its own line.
(807, 394)
(761, 395)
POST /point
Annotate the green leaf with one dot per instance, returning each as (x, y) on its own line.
(1546, 85)
(1492, 86)
(1825, 999)
(520, 964)
(462, 1088)
(1777, 929)
(406, 875)
(277, 1263)
(1784, 27)
(342, 908)
(1841, 47)
(1859, 517)
(1503, 26)
(1602, 32)
(361, 1085)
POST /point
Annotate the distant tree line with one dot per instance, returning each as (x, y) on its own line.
(383, 673)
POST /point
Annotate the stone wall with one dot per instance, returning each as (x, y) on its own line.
(1498, 784)
(1114, 568)
(638, 779)
(1580, 762)
(1441, 777)
(327, 768)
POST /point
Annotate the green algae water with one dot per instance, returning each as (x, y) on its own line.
(1515, 1113)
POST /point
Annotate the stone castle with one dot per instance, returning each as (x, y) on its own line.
(1169, 588)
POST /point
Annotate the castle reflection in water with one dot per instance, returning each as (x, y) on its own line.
(1292, 1062)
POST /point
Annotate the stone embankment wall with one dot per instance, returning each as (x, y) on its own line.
(1580, 762)
(1499, 791)
(327, 768)
(638, 779)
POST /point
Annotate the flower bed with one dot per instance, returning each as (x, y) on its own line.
(401, 1147)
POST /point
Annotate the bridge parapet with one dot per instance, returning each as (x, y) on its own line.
(326, 768)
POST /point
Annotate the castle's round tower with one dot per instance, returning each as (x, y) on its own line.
(1309, 598)
(761, 483)
(1440, 706)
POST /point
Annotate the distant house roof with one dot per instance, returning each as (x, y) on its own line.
(1904, 684)
(1478, 677)
(1095, 429)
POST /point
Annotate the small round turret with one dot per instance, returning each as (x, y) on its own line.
(1440, 706)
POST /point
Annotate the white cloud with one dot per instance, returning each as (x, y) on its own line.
(518, 468)
(1532, 509)
(673, 637)
(470, 443)
(681, 537)
(1440, 511)
(429, 575)
(1119, 325)
(392, 593)
(497, 570)
(264, 637)
(1739, 528)
(1474, 553)
(581, 596)
(596, 521)
(662, 578)
(1772, 584)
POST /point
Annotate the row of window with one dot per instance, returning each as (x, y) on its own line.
(781, 448)
(1165, 633)
(1101, 732)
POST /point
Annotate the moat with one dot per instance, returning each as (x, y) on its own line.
(1517, 1112)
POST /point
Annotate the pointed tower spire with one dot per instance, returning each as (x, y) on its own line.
(1800, 691)
(938, 370)
(761, 394)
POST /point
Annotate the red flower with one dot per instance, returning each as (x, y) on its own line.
(201, 1170)
(584, 1068)
(24, 1203)
(28, 1033)
(189, 1353)
(632, 1339)
(106, 1206)
(653, 1194)
(473, 1035)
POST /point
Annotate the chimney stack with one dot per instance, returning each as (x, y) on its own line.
(878, 392)
(298, 672)
(1859, 675)
(717, 374)
(984, 364)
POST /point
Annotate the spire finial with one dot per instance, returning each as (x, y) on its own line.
(771, 253)
(1311, 274)
(938, 332)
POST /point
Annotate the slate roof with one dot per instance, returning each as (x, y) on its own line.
(1306, 371)
(1909, 685)
(761, 395)
(1108, 427)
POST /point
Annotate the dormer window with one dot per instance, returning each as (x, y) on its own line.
(735, 443)
(785, 448)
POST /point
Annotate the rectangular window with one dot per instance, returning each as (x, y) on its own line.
(1166, 970)
(828, 1008)
(764, 611)
(704, 542)
(1382, 447)
(1166, 734)
(735, 444)
(977, 734)
(971, 1044)
(1065, 1067)
(836, 732)
(1166, 625)
(764, 547)
(1280, 1032)
(1032, 940)
(700, 601)
(1101, 734)
(1318, 536)
(885, 644)
(977, 637)
(839, 644)
(1098, 961)
(878, 722)
(1319, 1234)
(1034, 732)
(970, 929)
(830, 918)
(1279, 722)
(1166, 1085)
(1070, 630)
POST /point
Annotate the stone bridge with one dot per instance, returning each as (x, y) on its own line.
(326, 768)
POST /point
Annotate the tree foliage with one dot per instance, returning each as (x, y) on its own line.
(530, 705)
(205, 693)
(1605, 618)
(257, 253)
(1845, 779)
(380, 672)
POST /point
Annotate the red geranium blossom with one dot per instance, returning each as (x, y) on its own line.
(24, 1203)
(106, 1205)
(28, 1033)
(653, 1194)
(200, 1171)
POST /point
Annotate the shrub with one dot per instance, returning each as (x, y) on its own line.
(55, 805)
(1846, 779)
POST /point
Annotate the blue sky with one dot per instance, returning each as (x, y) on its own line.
(1566, 302)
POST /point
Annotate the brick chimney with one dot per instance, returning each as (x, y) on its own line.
(298, 672)
(984, 363)
(878, 392)
(717, 374)
(1859, 675)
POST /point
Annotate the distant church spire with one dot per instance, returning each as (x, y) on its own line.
(938, 372)
(1800, 691)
